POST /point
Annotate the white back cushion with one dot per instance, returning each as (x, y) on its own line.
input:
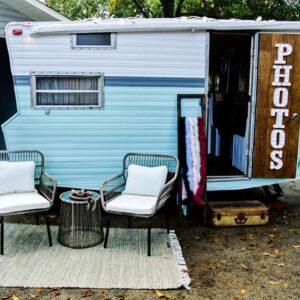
(146, 181)
(16, 177)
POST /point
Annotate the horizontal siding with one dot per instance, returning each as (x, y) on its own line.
(7, 15)
(142, 79)
(177, 54)
(84, 147)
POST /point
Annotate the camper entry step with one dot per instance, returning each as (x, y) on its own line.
(238, 213)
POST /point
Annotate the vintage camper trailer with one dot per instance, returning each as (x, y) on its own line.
(88, 92)
(16, 10)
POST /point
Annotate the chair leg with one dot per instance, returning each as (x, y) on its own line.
(129, 222)
(36, 219)
(167, 221)
(48, 230)
(149, 237)
(107, 231)
(2, 235)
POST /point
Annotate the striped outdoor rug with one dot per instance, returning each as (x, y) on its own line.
(28, 261)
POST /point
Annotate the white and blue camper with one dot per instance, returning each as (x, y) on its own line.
(87, 92)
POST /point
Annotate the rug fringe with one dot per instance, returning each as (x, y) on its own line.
(177, 252)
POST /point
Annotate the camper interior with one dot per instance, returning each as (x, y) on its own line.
(228, 106)
(7, 95)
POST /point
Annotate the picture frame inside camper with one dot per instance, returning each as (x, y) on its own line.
(55, 90)
(94, 41)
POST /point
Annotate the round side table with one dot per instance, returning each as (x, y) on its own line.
(80, 222)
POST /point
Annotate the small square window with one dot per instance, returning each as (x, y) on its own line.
(93, 41)
(67, 90)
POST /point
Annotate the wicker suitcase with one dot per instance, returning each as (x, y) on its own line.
(238, 213)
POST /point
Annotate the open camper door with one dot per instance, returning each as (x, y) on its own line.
(277, 106)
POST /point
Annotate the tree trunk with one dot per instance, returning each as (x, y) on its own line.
(168, 7)
(178, 8)
(141, 8)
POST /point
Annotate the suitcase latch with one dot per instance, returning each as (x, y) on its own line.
(241, 218)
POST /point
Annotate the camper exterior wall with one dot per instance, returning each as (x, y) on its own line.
(7, 14)
(173, 55)
(142, 78)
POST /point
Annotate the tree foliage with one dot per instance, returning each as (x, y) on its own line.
(80, 9)
(242, 9)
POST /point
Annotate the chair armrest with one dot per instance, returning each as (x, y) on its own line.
(47, 187)
(111, 188)
(165, 193)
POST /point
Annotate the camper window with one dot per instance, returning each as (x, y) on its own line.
(67, 91)
(93, 41)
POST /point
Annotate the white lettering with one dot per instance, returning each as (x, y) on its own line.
(276, 162)
(281, 96)
(277, 138)
(278, 113)
(285, 75)
(283, 50)
(282, 74)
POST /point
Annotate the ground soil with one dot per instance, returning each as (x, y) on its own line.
(224, 263)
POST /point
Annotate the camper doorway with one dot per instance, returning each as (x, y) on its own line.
(228, 104)
(7, 96)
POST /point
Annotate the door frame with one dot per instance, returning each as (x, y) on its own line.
(249, 136)
(252, 113)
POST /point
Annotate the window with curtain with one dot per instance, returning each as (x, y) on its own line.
(67, 91)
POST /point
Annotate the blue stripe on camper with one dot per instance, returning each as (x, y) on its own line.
(128, 81)
(153, 81)
(21, 80)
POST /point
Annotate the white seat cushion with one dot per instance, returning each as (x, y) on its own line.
(147, 181)
(22, 201)
(133, 204)
(16, 177)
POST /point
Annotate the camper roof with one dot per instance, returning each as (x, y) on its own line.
(175, 24)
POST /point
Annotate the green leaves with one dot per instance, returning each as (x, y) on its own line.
(242, 9)
(81, 9)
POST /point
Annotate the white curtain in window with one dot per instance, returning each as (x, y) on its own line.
(72, 85)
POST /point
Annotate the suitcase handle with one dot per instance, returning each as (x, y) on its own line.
(241, 219)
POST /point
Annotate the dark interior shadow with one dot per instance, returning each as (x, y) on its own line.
(8, 105)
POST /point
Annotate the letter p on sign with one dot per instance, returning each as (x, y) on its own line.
(283, 50)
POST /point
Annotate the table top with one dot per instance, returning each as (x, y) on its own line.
(65, 197)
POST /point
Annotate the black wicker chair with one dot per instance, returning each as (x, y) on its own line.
(45, 185)
(112, 188)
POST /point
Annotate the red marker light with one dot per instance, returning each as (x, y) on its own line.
(17, 31)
